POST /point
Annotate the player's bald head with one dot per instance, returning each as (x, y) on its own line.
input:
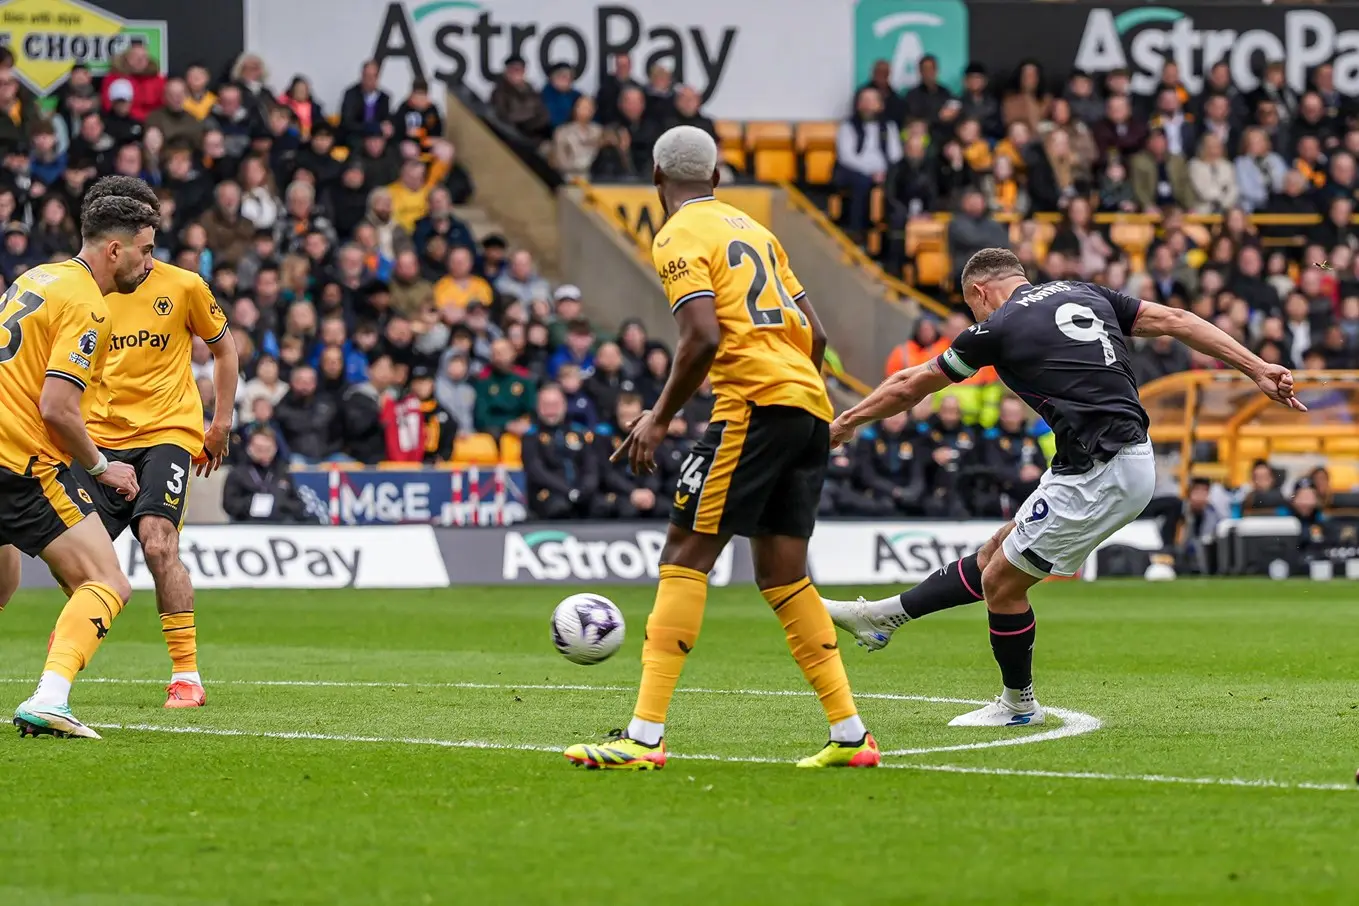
(686, 154)
(121, 187)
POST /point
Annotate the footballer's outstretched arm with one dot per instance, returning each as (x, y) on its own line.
(1155, 320)
(899, 393)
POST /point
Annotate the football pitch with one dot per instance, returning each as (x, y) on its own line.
(374, 747)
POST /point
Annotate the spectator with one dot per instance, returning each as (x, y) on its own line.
(199, 98)
(952, 447)
(1165, 283)
(1259, 170)
(381, 160)
(264, 385)
(237, 123)
(260, 416)
(1026, 99)
(607, 380)
(1080, 240)
(365, 105)
(1079, 137)
(365, 410)
(418, 119)
(1336, 229)
(1213, 176)
(118, 118)
(576, 143)
(1014, 458)
(627, 149)
(924, 346)
(1171, 119)
(1055, 173)
(441, 221)
(516, 102)
(250, 73)
(1003, 192)
(977, 102)
(136, 69)
(505, 395)
(388, 235)
(321, 158)
(261, 490)
(1161, 178)
(660, 94)
(1196, 535)
(190, 187)
(1086, 104)
(1216, 119)
(454, 391)
(580, 408)
(560, 94)
(1159, 357)
(972, 230)
(865, 148)
(310, 421)
(418, 429)
(889, 468)
(228, 234)
(911, 185)
(1118, 133)
(687, 112)
(175, 122)
(560, 465)
(521, 280)
(299, 102)
(410, 194)
(18, 255)
(632, 342)
(55, 234)
(611, 87)
(578, 350)
(623, 494)
(460, 287)
(259, 195)
(1274, 90)
(657, 371)
(927, 99)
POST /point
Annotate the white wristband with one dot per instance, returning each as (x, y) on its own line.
(100, 467)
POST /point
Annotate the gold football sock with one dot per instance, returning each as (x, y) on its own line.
(182, 639)
(83, 623)
(811, 638)
(671, 631)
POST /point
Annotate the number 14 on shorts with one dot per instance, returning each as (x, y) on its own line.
(692, 473)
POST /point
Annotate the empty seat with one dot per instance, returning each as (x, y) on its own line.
(771, 145)
(476, 450)
(731, 144)
(511, 451)
(816, 143)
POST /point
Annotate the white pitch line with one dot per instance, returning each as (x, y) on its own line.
(938, 768)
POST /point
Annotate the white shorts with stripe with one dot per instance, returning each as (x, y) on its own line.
(1068, 516)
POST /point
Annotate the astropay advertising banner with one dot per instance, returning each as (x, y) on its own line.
(785, 60)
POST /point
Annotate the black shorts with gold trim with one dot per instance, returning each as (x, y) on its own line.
(163, 479)
(40, 505)
(760, 474)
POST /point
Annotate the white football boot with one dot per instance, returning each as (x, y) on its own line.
(870, 622)
(1006, 711)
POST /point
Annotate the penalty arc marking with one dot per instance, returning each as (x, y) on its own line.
(1074, 723)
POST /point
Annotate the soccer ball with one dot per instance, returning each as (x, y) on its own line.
(587, 629)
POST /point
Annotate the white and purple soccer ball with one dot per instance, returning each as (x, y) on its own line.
(587, 628)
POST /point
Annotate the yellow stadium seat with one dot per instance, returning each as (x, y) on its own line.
(1341, 446)
(1133, 238)
(1294, 445)
(1252, 448)
(816, 144)
(476, 450)
(927, 246)
(1344, 476)
(731, 142)
(511, 451)
(772, 146)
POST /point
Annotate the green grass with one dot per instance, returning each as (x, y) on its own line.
(1246, 680)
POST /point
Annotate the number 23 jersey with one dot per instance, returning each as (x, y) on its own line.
(53, 323)
(1061, 347)
(711, 249)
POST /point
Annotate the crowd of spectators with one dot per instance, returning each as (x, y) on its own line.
(995, 155)
(604, 136)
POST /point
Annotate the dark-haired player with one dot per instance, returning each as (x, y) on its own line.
(1062, 347)
(745, 321)
(55, 325)
(147, 413)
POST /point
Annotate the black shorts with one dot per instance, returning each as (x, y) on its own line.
(40, 505)
(163, 479)
(758, 475)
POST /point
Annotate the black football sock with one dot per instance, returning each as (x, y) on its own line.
(1012, 643)
(957, 584)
